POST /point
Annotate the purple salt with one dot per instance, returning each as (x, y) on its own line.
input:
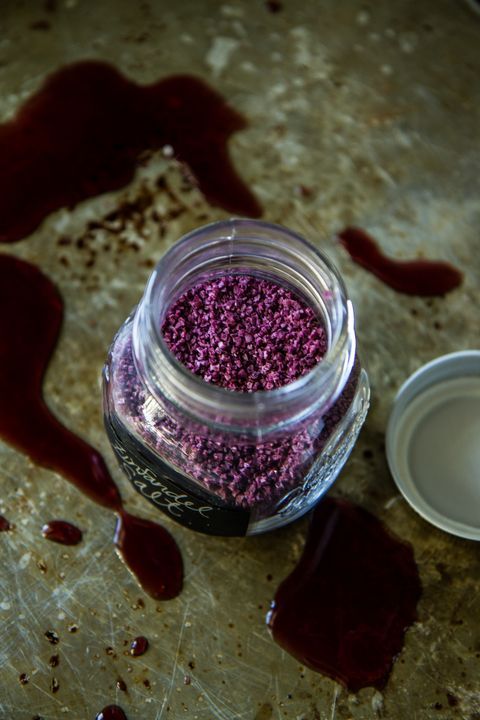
(245, 334)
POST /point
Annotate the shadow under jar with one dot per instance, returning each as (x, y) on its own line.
(217, 460)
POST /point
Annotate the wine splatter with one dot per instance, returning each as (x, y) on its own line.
(412, 277)
(152, 554)
(345, 608)
(111, 712)
(63, 532)
(4, 524)
(32, 312)
(139, 646)
(82, 133)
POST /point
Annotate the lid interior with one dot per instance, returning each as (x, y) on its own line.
(433, 449)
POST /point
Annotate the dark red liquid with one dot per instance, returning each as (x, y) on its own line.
(4, 524)
(32, 313)
(273, 5)
(83, 131)
(62, 532)
(139, 646)
(345, 608)
(111, 712)
(152, 554)
(412, 277)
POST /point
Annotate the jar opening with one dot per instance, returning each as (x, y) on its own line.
(244, 331)
(262, 250)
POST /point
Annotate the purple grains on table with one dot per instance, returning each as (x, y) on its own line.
(246, 334)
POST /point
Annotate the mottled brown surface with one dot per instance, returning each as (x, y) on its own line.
(360, 113)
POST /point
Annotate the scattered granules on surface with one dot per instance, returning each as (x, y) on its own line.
(121, 685)
(4, 524)
(274, 6)
(54, 685)
(52, 637)
(244, 333)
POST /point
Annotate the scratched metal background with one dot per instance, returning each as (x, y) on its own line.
(373, 106)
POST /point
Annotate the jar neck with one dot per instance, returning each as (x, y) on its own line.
(255, 248)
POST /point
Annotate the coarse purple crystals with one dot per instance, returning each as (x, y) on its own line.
(244, 333)
(233, 395)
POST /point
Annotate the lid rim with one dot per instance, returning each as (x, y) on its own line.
(456, 365)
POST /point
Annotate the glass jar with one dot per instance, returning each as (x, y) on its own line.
(216, 460)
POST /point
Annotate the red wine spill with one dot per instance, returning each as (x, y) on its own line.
(274, 6)
(83, 132)
(154, 554)
(111, 712)
(62, 532)
(139, 646)
(345, 608)
(32, 313)
(412, 277)
(4, 524)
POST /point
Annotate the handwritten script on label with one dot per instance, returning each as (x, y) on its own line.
(162, 496)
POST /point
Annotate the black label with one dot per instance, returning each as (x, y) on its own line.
(169, 490)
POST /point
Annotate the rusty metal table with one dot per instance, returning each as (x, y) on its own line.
(364, 113)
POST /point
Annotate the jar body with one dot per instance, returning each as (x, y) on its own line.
(223, 462)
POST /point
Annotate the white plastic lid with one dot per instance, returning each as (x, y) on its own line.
(433, 442)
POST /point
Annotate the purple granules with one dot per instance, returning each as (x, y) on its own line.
(244, 333)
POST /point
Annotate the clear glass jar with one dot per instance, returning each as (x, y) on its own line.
(178, 437)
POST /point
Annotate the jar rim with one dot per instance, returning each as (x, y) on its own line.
(159, 367)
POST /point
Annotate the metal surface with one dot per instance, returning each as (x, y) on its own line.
(364, 113)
